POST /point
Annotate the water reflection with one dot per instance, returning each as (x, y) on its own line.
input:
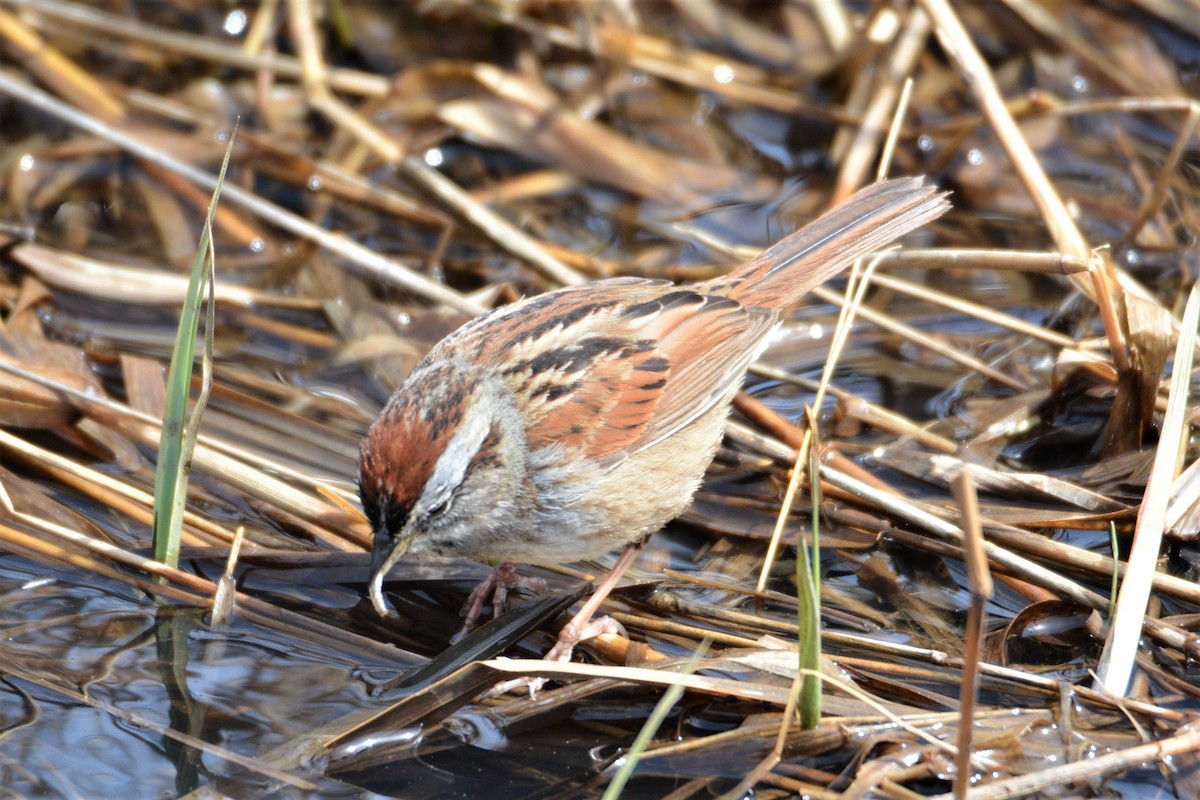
(95, 673)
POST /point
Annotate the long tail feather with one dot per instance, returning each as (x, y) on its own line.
(866, 221)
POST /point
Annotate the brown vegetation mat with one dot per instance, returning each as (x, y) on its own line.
(398, 170)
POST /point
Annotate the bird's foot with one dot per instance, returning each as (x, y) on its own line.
(571, 634)
(503, 579)
(581, 626)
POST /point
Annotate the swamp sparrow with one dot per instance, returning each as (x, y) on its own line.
(570, 424)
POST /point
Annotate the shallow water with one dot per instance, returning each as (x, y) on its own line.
(95, 671)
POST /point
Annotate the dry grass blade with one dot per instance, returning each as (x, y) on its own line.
(976, 310)
(950, 258)
(98, 22)
(383, 268)
(1115, 671)
(1099, 767)
(930, 341)
(402, 167)
(978, 77)
(133, 285)
(981, 594)
(58, 71)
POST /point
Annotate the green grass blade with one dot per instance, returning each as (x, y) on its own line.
(1116, 576)
(808, 595)
(177, 442)
(653, 722)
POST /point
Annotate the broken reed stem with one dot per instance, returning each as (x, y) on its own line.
(929, 341)
(959, 258)
(1087, 770)
(1115, 670)
(230, 463)
(226, 591)
(978, 78)
(1157, 196)
(980, 580)
(125, 28)
(58, 71)
(977, 310)
(383, 269)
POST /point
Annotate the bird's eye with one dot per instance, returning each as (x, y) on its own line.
(441, 508)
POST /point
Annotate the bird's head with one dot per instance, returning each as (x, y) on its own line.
(444, 460)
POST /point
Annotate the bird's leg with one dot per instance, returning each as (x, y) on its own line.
(503, 578)
(582, 627)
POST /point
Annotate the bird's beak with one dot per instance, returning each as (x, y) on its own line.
(386, 550)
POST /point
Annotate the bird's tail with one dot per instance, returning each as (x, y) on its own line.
(866, 221)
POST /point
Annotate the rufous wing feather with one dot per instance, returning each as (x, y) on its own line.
(620, 365)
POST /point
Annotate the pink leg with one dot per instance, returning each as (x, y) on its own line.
(496, 585)
(582, 626)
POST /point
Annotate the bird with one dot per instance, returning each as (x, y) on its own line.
(578, 422)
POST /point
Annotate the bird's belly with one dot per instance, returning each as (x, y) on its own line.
(585, 512)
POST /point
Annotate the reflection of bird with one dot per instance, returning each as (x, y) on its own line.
(580, 421)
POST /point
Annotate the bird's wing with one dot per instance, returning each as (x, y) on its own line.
(618, 367)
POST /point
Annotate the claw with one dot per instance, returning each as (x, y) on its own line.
(572, 634)
(534, 685)
(497, 585)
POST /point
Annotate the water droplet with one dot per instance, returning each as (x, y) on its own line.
(434, 157)
(314, 183)
(723, 73)
(27, 162)
(974, 156)
(1079, 84)
(925, 142)
(235, 22)
(257, 246)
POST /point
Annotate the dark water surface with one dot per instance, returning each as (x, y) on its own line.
(95, 672)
